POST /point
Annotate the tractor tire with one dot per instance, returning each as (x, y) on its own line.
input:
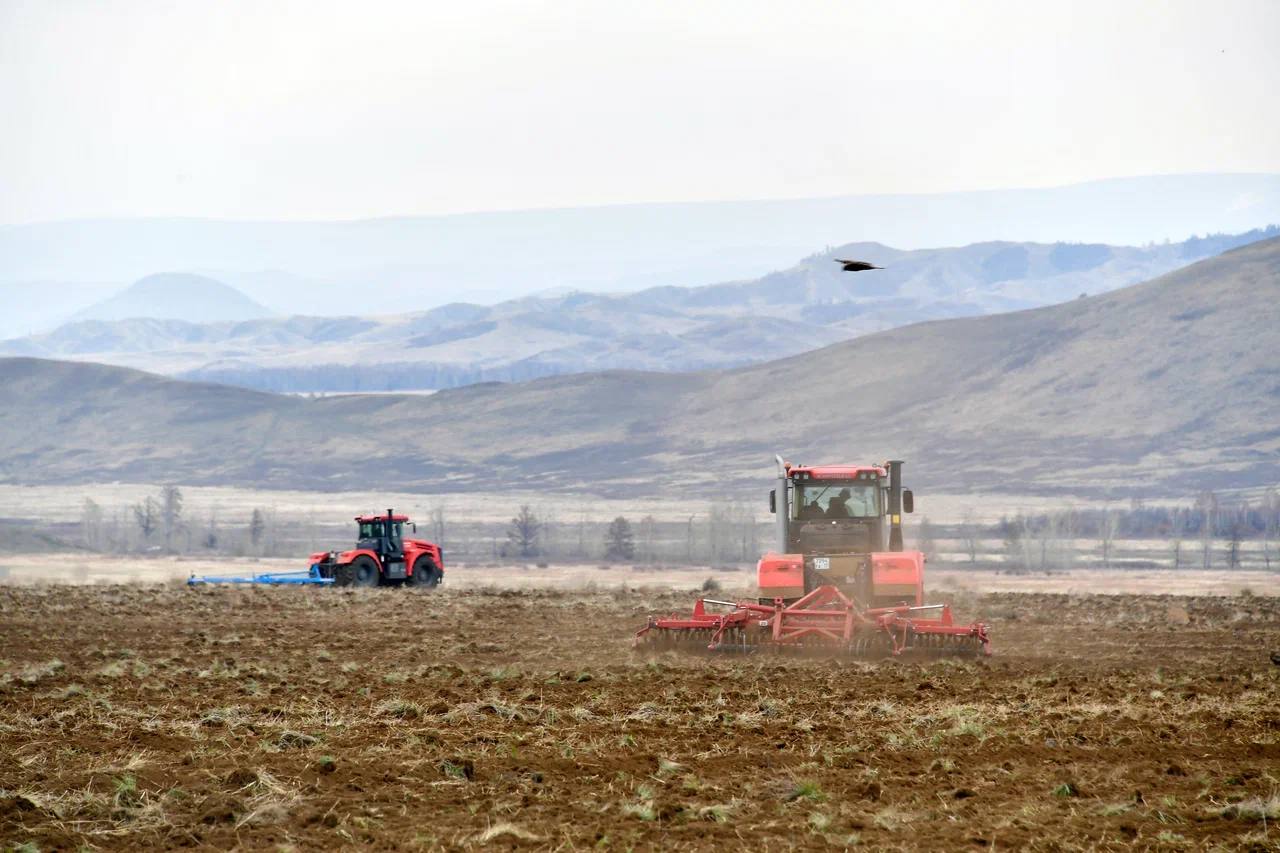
(426, 575)
(361, 571)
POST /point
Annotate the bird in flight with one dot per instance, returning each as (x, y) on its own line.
(856, 266)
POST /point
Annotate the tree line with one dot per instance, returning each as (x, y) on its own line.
(162, 523)
(727, 533)
(1206, 533)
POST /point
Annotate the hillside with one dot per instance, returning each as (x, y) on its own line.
(1166, 387)
(175, 296)
(804, 307)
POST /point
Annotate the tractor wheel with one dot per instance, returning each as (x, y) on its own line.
(425, 574)
(361, 571)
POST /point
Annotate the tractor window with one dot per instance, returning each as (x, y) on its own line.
(373, 529)
(845, 499)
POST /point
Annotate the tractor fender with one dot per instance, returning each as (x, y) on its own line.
(348, 556)
(898, 575)
(780, 575)
(415, 548)
(317, 557)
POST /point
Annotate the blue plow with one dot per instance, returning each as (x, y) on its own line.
(311, 576)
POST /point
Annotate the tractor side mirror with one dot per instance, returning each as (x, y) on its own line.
(413, 525)
(908, 501)
(773, 501)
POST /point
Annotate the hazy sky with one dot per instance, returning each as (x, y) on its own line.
(343, 110)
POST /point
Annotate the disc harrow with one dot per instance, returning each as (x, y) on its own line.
(825, 622)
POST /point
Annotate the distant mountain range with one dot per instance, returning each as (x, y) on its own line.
(406, 265)
(1163, 388)
(807, 306)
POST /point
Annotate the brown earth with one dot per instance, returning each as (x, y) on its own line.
(157, 717)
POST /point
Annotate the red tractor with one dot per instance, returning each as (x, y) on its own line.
(839, 581)
(841, 526)
(383, 556)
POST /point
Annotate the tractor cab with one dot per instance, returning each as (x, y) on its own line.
(382, 534)
(840, 525)
(836, 512)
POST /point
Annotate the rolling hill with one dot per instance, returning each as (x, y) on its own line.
(805, 307)
(174, 296)
(1166, 387)
(412, 264)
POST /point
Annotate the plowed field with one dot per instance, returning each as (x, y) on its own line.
(156, 716)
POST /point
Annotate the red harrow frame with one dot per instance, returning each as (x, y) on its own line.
(824, 621)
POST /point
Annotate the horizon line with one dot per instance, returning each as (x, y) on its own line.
(395, 217)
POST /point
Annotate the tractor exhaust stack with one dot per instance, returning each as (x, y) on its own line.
(895, 504)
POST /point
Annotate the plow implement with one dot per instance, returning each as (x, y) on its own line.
(826, 621)
(310, 576)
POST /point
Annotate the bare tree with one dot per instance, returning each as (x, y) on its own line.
(211, 537)
(145, 515)
(619, 542)
(582, 533)
(1049, 538)
(91, 524)
(118, 534)
(1177, 552)
(170, 513)
(719, 532)
(1016, 543)
(1270, 524)
(550, 530)
(522, 535)
(1108, 526)
(1207, 505)
(969, 535)
(270, 533)
(257, 527)
(437, 525)
(1235, 531)
(648, 539)
(1066, 528)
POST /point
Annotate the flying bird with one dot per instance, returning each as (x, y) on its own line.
(856, 266)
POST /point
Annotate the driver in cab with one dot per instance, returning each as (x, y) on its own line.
(838, 507)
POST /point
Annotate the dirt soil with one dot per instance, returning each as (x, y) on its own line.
(160, 717)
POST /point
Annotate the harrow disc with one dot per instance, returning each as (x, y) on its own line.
(943, 645)
(865, 645)
(825, 623)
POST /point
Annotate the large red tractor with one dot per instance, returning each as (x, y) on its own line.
(841, 526)
(383, 556)
(839, 581)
